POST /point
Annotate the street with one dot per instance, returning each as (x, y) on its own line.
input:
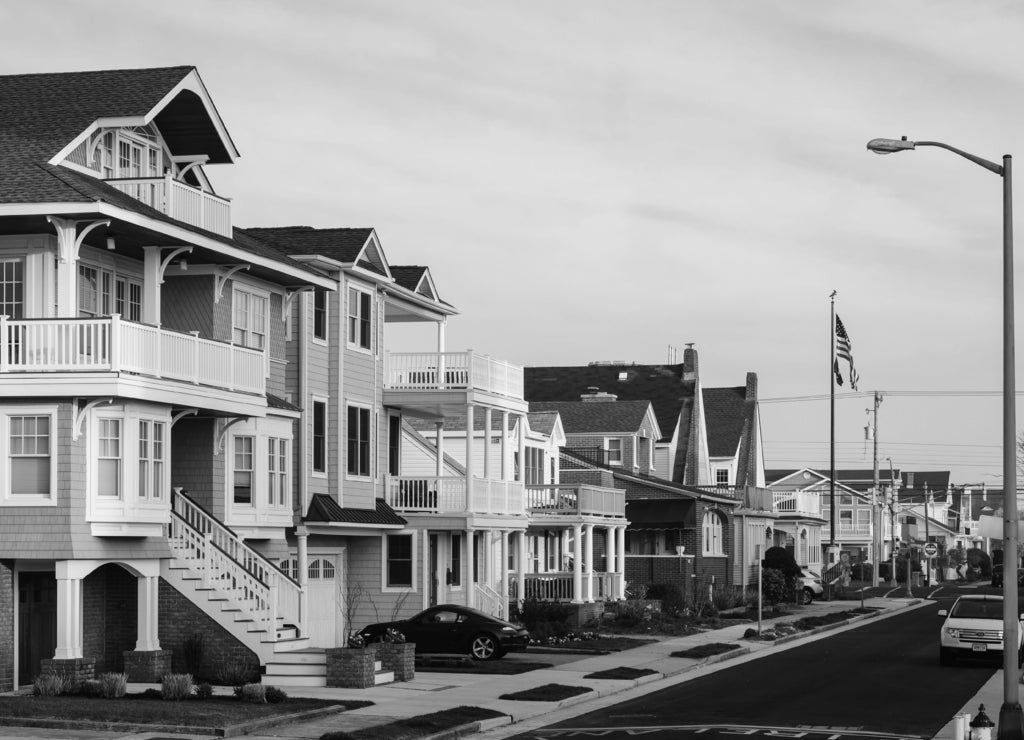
(880, 679)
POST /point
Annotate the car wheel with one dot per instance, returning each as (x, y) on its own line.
(808, 596)
(945, 656)
(484, 647)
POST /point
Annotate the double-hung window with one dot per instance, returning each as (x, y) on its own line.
(613, 451)
(399, 552)
(101, 292)
(243, 469)
(277, 471)
(108, 471)
(29, 451)
(359, 319)
(12, 288)
(151, 459)
(320, 314)
(358, 441)
(250, 319)
(319, 437)
(713, 534)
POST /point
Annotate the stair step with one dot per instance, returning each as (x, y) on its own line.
(291, 645)
(296, 669)
(304, 681)
(383, 677)
(298, 657)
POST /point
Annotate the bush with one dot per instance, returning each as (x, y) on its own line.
(782, 559)
(204, 691)
(672, 598)
(979, 563)
(235, 672)
(49, 684)
(632, 613)
(728, 597)
(862, 571)
(91, 688)
(531, 612)
(254, 693)
(773, 586)
(545, 631)
(176, 686)
(113, 685)
(275, 695)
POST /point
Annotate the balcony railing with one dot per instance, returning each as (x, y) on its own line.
(576, 500)
(179, 201)
(113, 345)
(447, 494)
(559, 586)
(447, 371)
(858, 531)
(800, 503)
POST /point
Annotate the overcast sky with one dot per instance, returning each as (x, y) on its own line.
(606, 180)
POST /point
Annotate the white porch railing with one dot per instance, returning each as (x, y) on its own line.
(112, 344)
(557, 586)
(849, 530)
(441, 494)
(230, 566)
(179, 201)
(576, 500)
(796, 502)
(445, 371)
(489, 600)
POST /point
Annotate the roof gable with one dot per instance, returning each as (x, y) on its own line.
(725, 415)
(601, 417)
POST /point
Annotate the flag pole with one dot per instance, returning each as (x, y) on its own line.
(832, 431)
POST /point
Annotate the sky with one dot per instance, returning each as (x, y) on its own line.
(591, 180)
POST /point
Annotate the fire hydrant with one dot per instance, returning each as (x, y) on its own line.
(981, 726)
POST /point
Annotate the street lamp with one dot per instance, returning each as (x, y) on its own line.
(1011, 720)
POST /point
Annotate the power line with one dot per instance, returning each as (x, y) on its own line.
(869, 394)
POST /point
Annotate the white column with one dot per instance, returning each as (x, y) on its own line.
(69, 614)
(504, 445)
(610, 547)
(67, 267)
(151, 286)
(622, 561)
(521, 473)
(521, 566)
(590, 561)
(439, 462)
(148, 610)
(469, 457)
(427, 578)
(577, 564)
(302, 576)
(503, 585)
(487, 442)
(470, 568)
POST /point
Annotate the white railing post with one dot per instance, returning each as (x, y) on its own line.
(195, 357)
(207, 557)
(115, 343)
(169, 195)
(5, 343)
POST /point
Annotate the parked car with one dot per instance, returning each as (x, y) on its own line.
(449, 628)
(809, 586)
(973, 628)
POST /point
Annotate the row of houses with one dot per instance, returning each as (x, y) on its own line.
(211, 430)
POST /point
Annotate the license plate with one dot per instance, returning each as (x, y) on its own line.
(979, 647)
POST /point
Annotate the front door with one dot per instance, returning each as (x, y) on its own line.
(37, 622)
(325, 624)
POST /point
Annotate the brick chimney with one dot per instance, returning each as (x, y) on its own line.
(751, 386)
(689, 363)
(595, 395)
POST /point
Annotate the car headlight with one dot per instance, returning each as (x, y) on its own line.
(509, 629)
(953, 632)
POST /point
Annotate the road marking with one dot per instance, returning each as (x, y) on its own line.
(766, 731)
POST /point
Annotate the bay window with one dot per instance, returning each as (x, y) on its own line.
(243, 470)
(151, 459)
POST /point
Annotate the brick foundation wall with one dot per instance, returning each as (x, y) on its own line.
(351, 668)
(180, 620)
(110, 605)
(147, 666)
(75, 670)
(7, 607)
(398, 657)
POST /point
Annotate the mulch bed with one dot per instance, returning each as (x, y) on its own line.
(547, 692)
(414, 727)
(705, 651)
(622, 673)
(483, 667)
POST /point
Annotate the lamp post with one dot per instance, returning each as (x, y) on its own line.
(1011, 719)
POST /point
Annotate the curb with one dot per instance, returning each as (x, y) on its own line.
(470, 728)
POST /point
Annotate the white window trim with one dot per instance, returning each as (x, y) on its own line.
(370, 442)
(240, 287)
(127, 504)
(261, 431)
(6, 497)
(384, 587)
(713, 546)
(350, 341)
(314, 399)
(327, 318)
(607, 448)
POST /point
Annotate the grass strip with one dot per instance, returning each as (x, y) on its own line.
(705, 651)
(622, 673)
(547, 692)
(415, 727)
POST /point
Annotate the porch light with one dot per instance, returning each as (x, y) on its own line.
(111, 244)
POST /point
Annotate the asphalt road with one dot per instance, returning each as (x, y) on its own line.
(883, 677)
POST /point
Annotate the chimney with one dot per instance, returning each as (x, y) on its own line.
(594, 395)
(689, 363)
(751, 386)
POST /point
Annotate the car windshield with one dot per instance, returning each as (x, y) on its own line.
(978, 610)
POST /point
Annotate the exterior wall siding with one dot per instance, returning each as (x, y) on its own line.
(186, 304)
(192, 463)
(8, 603)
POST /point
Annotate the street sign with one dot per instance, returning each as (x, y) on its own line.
(931, 549)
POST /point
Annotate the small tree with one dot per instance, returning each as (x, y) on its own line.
(781, 560)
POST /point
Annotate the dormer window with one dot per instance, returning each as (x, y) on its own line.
(126, 153)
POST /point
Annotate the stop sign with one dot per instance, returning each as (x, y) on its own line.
(931, 549)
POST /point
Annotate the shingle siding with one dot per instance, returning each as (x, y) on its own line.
(8, 603)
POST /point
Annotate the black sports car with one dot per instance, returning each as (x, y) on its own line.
(448, 628)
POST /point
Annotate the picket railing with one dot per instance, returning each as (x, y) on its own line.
(446, 371)
(447, 494)
(180, 201)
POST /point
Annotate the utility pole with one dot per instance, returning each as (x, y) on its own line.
(927, 538)
(876, 509)
(892, 524)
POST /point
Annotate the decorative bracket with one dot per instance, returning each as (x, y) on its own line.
(70, 225)
(167, 260)
(80, 414)
(222, 433)
(177, 417)
(289, 298)
(221, 279)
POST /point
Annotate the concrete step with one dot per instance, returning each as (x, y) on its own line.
(305, 681)
(308, 656)
(383, 677)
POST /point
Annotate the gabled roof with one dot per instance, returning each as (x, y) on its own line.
(415, 278)
(543, 422)
(724, 414)
(662, 385)
(598, 417)
(862, 479)
(345, 245)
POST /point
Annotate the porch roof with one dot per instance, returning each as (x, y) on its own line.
(324, 508)
(660, 514)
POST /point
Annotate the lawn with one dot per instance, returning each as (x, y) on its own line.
(602, 644)
(216, 711)
(547, 692)
(488, 667)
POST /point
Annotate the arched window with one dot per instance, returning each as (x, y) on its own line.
(290, 568)
(712, 527)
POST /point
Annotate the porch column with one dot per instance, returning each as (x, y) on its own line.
(469, 457)
(610, 548)
(521, 566)
(151, 280)
(504, 445)
(577, 564)
(470, 569)
(563, 548)
(67, 267)
(428, 576)
(439, 462)
(69, 613)
(504, 574)
(302, 575)
(521, 473)
(148, 610)
(590, 561)
(487, 442)
(622, 561)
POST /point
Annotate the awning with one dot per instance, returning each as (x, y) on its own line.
(324, 509)
(668, 513)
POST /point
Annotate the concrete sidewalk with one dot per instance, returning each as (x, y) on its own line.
(432, 692)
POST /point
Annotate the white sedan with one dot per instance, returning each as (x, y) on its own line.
(973, 628)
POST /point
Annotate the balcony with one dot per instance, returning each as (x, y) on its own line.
(448, 495)
(112, 345)
(849, 531)
(796, 503)
(180, 201)
(452, 371)
(577, 501)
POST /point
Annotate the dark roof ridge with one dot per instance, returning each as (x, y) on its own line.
(119, 70)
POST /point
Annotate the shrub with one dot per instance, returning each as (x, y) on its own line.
(979, 563)
(779, 558)
(49, 684)
(254, 693)
(176, 686)
(773, 586)
(112, 685)
(727, 597)
(204, 691)
(152, 694)
(193, 650)
(545, 631)
(90, 687)
(235, 672)
(862, 571)
(632, 613)
(534, 611)
(671, 596)
(275, 695)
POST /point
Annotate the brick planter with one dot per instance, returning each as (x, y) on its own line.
(351, 668)
(147, 666)
(76, 670)
(399, 657)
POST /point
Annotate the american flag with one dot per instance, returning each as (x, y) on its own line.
(845, 352)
